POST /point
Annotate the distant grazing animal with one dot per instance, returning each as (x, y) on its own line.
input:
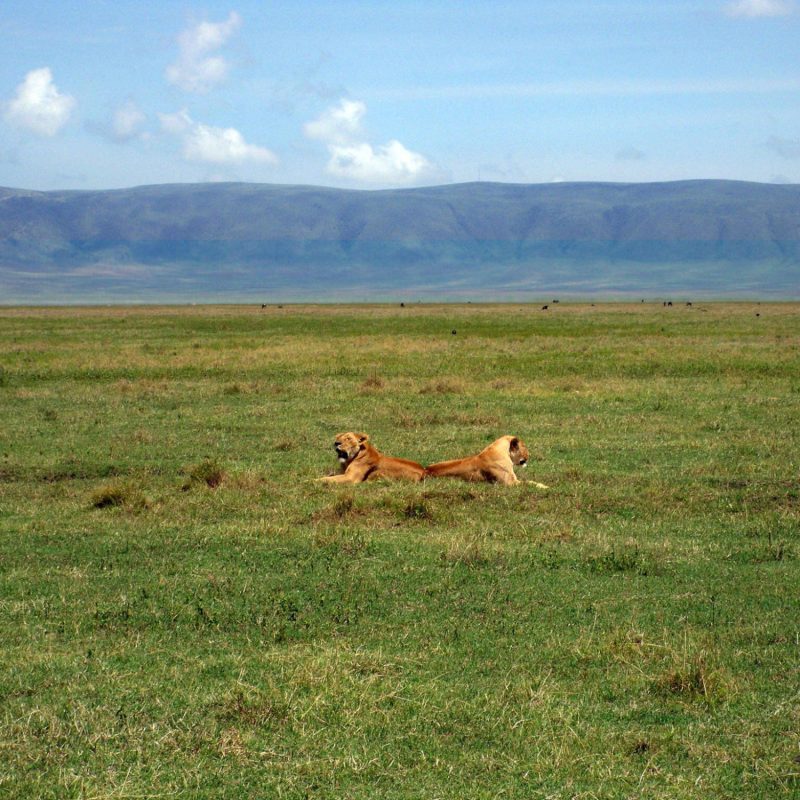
(360, 461)
(494, 463)
(544, 308)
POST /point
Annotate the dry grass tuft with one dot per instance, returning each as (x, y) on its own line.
(373, 383)
(693, 678)
(208, 473)
(344, 506)
(118, 495)
(253, 708)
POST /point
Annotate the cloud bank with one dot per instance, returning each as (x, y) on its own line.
(353, 158)
(389, 163)
(338, 124)
(213, 145)
(198, 69)
(38, 106)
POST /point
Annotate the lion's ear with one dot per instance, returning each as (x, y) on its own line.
(362, 437)
(514, 443)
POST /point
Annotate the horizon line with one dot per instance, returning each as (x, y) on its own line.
(586, 182)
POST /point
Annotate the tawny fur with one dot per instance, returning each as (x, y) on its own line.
(494, 463)
(361, 461)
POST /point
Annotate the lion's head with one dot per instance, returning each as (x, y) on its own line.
(348, 446)
(518, 451)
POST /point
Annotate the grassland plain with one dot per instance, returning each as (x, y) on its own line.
(184, 612)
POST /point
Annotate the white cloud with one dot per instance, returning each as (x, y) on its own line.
(352, 158)
(38, 106)
(760, 8)
(338, 124)
(177, 123)
(213, 145)
(389, 163)
(198, 69)
(127, 122)
(223, 146)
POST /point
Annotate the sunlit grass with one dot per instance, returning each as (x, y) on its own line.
(186, 612)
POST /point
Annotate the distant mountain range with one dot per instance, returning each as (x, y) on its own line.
(266, 243)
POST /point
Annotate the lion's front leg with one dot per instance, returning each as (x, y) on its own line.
(353, 474)
(507, 477)
(344, 478)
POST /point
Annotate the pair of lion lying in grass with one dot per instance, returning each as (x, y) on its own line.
(361, 461)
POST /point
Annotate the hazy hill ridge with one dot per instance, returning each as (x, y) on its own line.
(254, 241)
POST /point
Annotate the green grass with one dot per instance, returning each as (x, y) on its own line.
(185, 612)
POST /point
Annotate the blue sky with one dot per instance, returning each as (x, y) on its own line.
(111, 93)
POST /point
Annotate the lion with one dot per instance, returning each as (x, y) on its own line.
(494, 463)
(361, 461)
